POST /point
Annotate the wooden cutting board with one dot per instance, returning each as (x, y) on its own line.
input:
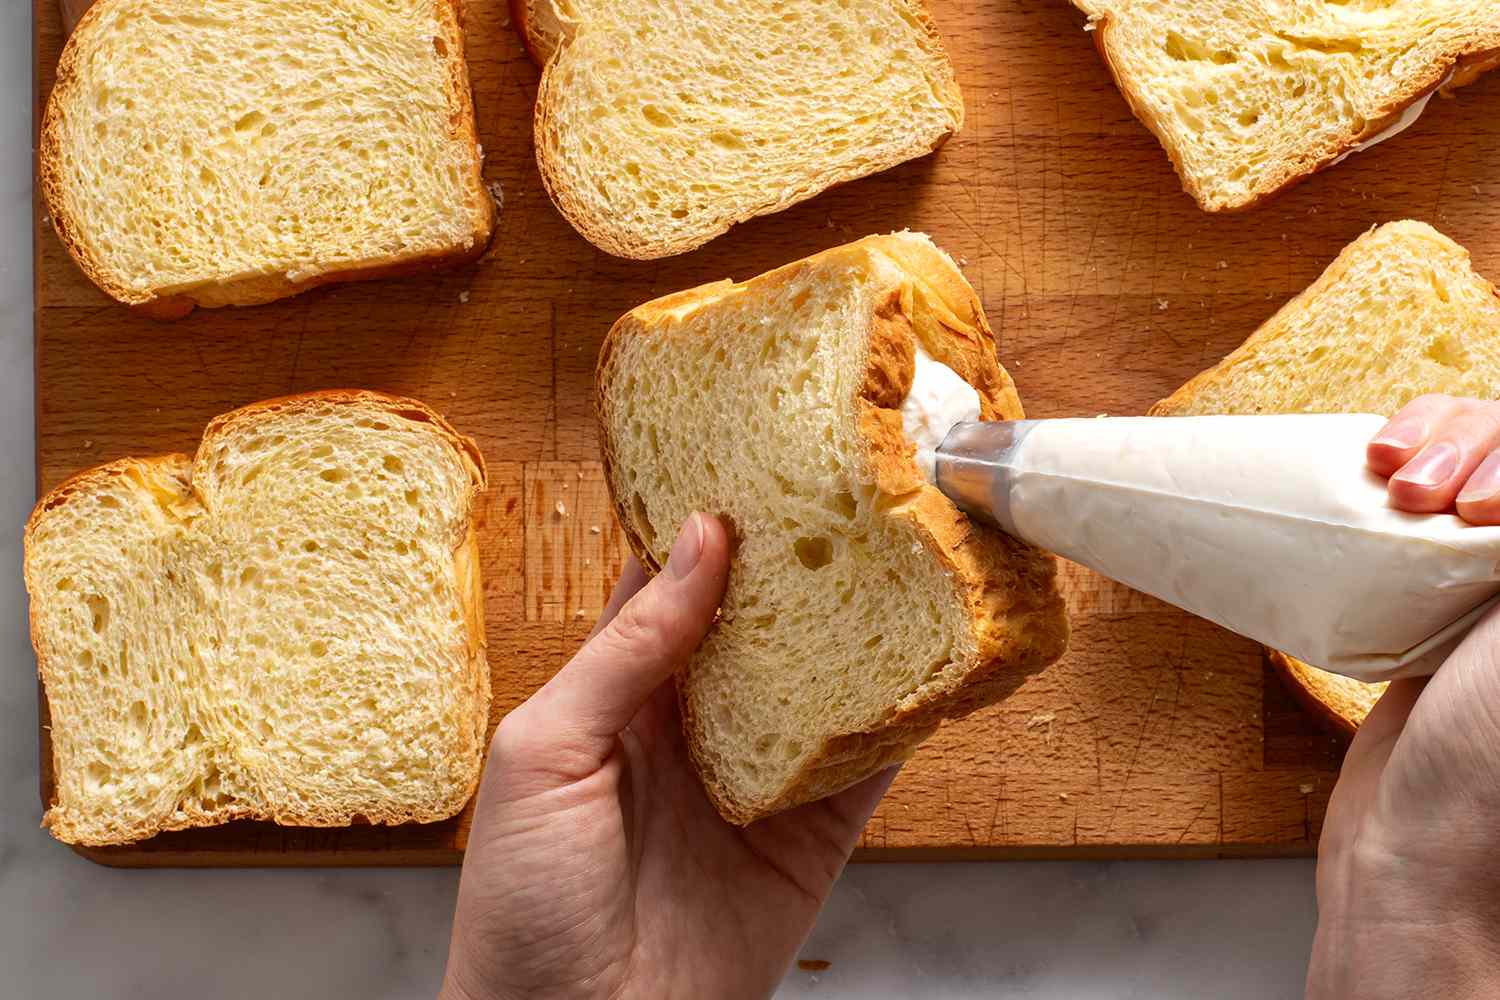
(1158, 734)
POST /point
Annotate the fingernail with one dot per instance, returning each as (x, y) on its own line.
(686, 550)
(1432, 466)
(1484, 483)
(1403, 434)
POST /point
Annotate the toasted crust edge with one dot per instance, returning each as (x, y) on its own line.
(258, 289)
(621, 243)
(1466, 65)
(467, 570)
(1314, 692)
(980, 559)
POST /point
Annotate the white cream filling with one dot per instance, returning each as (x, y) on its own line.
(1408, 118)
(938, 399)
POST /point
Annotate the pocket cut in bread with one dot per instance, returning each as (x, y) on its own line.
(863, 608)
(228, 152)
(1249, 97)
(286, 626)
(660, 124)
(1399, 314)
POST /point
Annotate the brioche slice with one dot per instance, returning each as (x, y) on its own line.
(231, 152)
(287, 626)
(1250, 96)
(661, 123)
(863, 609)
(1400, 313)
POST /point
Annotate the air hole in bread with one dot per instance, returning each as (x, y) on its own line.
(333, 475)
(656, 116)
(814, 553)
(98, 611)
(413, 496)
(1185, 50)
(1448, 352)
(874, 640)
(1438, 287)
(845, 505)
(318, 647)
(96, 777)
(393, 465)
(310, 546)
(440, 46)
(249, 121)
(110, 502)
(322, 451)
(136, 720)
(66, 583)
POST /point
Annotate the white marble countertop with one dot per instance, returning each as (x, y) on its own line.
(69, 929)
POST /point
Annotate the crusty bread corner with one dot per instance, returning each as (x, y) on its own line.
(711, 195)
(1016, 615)
(264, 284)
(1340, 703)
(1460, 59)
(170, 486)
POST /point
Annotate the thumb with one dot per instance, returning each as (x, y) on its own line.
(570, 725)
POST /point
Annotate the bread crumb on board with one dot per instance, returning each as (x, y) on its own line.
(562, 509)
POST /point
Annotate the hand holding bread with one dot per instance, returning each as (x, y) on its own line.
(596, 856)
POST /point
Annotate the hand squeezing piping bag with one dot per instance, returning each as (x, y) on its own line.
(1271, 526)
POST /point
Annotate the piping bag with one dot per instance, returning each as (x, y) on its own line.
(1271, 526)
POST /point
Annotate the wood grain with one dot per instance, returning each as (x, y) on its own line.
(1158, 734)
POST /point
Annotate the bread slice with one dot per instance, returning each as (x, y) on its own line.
(1249, 97)
(1398, 314)
(287, 626)
(863, 609)
(661, 123)
(231, 152)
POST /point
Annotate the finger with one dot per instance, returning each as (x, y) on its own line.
(857, 803)
(1407, 432)
(570, 725)
(632, 579)
(1430, 482)
(1479, 500)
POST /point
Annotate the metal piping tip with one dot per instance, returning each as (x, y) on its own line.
(975, 467)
